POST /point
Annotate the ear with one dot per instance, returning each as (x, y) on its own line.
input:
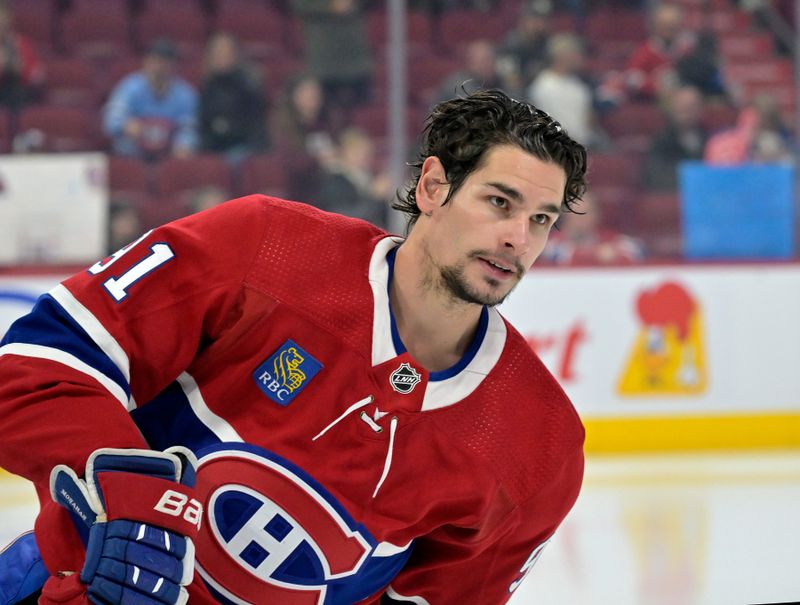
(432, 186)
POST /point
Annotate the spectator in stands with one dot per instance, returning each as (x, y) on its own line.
(233, 108)
(523, 51)
(479, 72)
(153, 112)
(582, 240)
(760, 136)
(700, 67)
(337, 49)
(350, 185)
(561, 91)
(22, 74)
(683, 139)
(301, 122)
(651, 68)
(303, 133)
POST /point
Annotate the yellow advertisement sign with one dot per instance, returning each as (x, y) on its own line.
(668, 355)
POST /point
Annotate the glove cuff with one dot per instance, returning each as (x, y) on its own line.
(150, 500)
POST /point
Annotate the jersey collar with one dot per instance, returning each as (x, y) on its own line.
(448, 386)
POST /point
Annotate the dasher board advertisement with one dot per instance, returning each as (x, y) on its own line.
(53, 208)
(661, 340)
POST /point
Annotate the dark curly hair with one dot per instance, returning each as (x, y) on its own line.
(460, 131)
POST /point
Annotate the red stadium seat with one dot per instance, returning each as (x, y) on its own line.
(658, 223)
(459, 27)
(633, 125)
(263, 174)
(372, 119)
(614, 170)
(64, 128)
(93, 28)
(71, 82)
(719, 117)
(418, 29)
(35, 19)
(427, 75)
(612, 24)
(260, 29)
(176, 175)
(128, 174)
(616, 205)
(181, 21)
(155, 211)
(634, 119)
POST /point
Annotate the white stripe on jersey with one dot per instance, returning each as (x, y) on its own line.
(382, 345)
(397, 596)
(92, 326)
(387, 549)
(216, 424)
(42, 352)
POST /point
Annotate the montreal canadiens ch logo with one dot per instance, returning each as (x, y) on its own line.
(251, 549)
(404, 379)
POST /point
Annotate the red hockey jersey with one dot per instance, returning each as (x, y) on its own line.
(334, 468)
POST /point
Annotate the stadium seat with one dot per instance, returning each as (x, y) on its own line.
(36, 19)
(128, 174)
(459, 27)
(155, 211)
(372, 119)
(747, 45)
(176, 175)
(180, 20)
(658, 222)
(617, 206)
(64, 128)
(633, 125)
(260, 29)
(418, 29)
(429, 74)
(94, 29)
(718, 117)
(629, 25)
(262, 174)
(71, 83)
(614, 170)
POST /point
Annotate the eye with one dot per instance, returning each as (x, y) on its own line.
(498, 202)
(542, 219)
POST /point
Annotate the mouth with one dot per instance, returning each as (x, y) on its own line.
(498, 269)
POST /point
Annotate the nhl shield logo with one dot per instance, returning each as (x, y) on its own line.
(404, 379)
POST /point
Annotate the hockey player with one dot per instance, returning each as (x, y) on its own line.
(266, 403)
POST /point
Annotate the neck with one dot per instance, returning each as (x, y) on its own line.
(435, 327)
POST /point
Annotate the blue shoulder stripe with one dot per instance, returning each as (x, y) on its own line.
(48, 324)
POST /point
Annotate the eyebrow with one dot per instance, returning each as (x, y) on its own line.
(517, 197)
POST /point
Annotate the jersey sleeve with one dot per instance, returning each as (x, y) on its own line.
(112, 337)
(451, 567)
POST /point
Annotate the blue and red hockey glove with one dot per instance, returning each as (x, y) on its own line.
(136, 515)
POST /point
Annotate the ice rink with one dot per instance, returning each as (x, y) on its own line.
(721, 529)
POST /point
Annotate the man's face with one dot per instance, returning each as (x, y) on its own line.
(159, 70)
(488, 235)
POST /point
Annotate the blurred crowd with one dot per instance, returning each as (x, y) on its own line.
(639, 83)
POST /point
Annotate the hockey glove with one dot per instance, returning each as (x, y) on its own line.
(136, 516)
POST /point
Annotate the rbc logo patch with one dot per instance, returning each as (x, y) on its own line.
(287, 371)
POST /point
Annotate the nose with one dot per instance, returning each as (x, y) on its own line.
(518, 235)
